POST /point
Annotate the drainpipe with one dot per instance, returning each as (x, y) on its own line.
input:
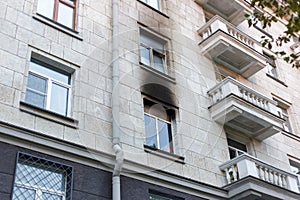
(116, 184)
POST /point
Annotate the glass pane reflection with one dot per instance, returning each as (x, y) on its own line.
(59, 99)
(65, 15)
(150, 127)
(164, 136)
(145, 56)
(46, 8)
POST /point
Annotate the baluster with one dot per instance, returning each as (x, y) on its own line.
(275, 178)
(256, 100)
(267, 106)
(241, 92)
(251, 98)
(271, 176)
(284, 183)
(261, 173)
(244, 40)
(264, 104)
(234, 174)
(266, 174)
(248, 96)
(230, 31)
(227, 175)
(279, 179)
(259, 102)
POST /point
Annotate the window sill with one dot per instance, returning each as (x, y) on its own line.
(58, 26)
(49, 115)
(164, 154)
(291, 135)
(158, 73)
(154, 9)
(276, 79)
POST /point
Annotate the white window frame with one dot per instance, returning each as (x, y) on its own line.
(271, 66)
(50, 81)
(283, 112)
(171, 123)
(297, 166)
(148, 2)
(237, 151)
(162, 54)
(56, 11)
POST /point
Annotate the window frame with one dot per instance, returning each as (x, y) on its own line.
(236, 150)
(283, 112)
(162, 54)
(295, 164)
(49, 86)
(271, 65)
(159, 3)
(172, 117)
(39, 163)
(55, 9)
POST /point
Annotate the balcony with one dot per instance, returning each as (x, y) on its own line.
(250, 178)
(231, 10)
(240, 108)
(230, 47)
(296, 48)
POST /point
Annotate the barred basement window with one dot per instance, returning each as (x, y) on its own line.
(41, 179)
(61, 11)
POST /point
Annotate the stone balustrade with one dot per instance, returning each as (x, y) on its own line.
(217, 23)
(246, 165)
(231, 86)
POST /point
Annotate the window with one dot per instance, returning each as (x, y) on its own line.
(153, 3)
(271, 66)
(295, 167)
(236, 148)
(61, 11)
(283, 113)
(222, 73)
(38, 179)
(158, 126)
(48, 88)
(153, 51)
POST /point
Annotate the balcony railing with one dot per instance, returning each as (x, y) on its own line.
(231, 86)
(218, 23)
(231, 47)
(296, 48)
(243, 109)
(246, 165)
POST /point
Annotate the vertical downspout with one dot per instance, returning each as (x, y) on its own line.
(116, 184)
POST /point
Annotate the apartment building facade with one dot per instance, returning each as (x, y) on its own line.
(144, 99)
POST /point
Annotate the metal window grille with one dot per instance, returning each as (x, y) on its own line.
(40, 179)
